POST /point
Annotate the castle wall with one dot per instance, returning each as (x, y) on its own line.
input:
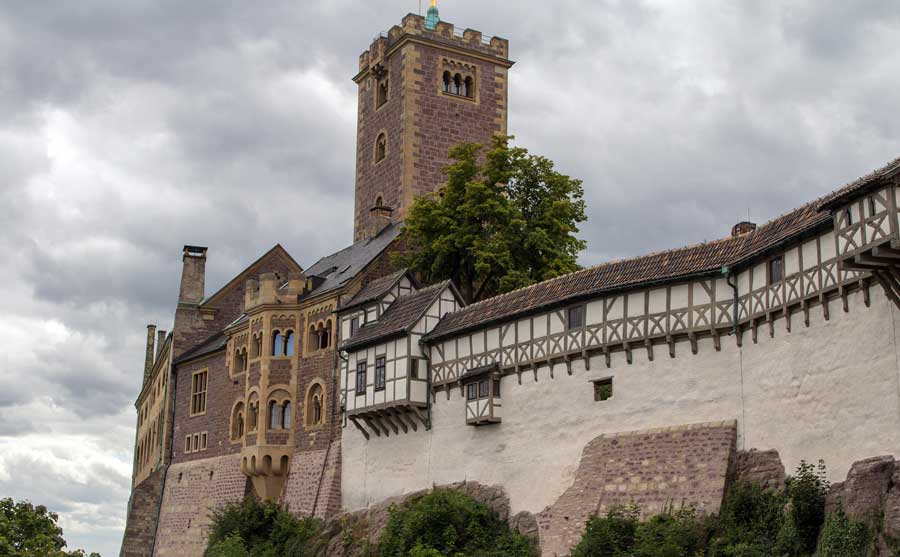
(143, 506)
(829, 391)
(314, 484)
(193, 491)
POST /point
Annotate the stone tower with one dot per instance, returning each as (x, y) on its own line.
(424, 87)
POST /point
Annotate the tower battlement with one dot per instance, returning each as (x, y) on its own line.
(445, 34)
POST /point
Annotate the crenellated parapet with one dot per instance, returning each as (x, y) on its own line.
(445, 34)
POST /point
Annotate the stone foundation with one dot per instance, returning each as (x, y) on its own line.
(143, 509)
(677, 466)
(314, 484)
(193, 491)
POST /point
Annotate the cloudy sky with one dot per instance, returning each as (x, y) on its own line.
(131, 127)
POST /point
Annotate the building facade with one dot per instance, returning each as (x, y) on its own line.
(335, 387)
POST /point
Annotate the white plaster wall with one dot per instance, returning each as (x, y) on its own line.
(829, 391)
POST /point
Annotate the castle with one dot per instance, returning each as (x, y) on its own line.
(337, 386)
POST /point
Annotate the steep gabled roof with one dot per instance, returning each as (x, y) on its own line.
(242, 277)
(338, 268)
(398, 319)
(666, 266)
(375, 289)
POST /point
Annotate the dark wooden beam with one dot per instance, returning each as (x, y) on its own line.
(360, 428)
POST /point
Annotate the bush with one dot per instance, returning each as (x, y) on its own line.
(447, 522)
(609, 536)
(843, 537)
(672, 534)
(806, 511)
(261, 529)
(748, 523)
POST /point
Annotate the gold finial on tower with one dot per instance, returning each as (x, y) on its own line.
(433, 17)
(434, 3)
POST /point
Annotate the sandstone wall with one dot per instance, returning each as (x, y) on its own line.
(314, 485)
(676, 466)
(143, 506)
(828, 391)
(193, 491)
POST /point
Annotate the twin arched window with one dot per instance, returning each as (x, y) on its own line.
(459, 85)
(283, 344)
(240, 360)
(280, 414)
(315, 405)
(320, 336)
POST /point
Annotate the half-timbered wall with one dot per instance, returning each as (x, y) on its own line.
(654, 318)
(867, 221)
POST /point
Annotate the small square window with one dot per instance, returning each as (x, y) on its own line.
(576, 317)
(472, 391)
(776, 270)
(603, 389)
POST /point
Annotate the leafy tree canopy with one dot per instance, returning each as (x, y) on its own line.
(505, 219)
(31, 531)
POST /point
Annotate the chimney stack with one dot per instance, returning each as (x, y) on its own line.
(741, 228)
(160, 340)
(193, 275)
(148, 357)
(383, 216)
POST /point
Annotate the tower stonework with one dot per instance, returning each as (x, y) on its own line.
(410, 114)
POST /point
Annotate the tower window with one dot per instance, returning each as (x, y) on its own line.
(458, 79)
(381, 94)
(448, 79)
(457, 84)
(380, 147)
(277, 344)
(469, 85)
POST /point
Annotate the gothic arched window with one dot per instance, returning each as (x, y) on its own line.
(315, 405)
(381, 147)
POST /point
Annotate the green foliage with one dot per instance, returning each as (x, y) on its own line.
(843, 537)
(31, 531)
(504, 220)
(446, 522)
(806, 511)
(261, 529)
(748, 522)
(610, 536)
(672, 534)
(678, 533)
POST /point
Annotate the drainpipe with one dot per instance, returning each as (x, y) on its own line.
(734, 318)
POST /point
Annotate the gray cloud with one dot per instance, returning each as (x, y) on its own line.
(130, 128)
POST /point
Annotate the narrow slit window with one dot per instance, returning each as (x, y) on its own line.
(361, 378)
(414, 368)
(380, 147)
(379, 373)
(354, 326)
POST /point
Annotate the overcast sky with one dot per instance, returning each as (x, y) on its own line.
(131, 127)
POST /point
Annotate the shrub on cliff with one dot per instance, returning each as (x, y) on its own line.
(612, 535)
(261, 529)
(446, 522)
(806, 511)
(843, 537)
(749, 522)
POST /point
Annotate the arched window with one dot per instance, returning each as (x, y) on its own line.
(237, 421)
(447, 80)
(253, 413)
(315, 405)
(379, 201)
(274, 415)
(289, 343)
(326, 335)
(382, 94)
(286, 415)
(469, 85)
(277, 344)
(457, 84)
(244, 359)
(256, 346)
(380, 147)
(238, 362)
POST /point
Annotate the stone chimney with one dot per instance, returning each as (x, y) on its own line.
(383, 217)
(148, 357)
(741, 228)
(193, 275)
(160, 340)
(268, 286)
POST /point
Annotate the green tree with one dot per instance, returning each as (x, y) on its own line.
(806, 511)
(749, 521)
(505, 219)
(31, 531)
(261, 529)
(612, 535)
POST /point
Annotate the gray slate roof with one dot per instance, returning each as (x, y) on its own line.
(340, 267)
(374, 290)
(212, 345)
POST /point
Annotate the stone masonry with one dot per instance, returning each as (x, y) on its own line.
(142, 513)
(677, 466)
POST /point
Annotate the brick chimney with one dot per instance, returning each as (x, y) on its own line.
(741, 228)
(160, 340)
(383, 216)
(148, 357)
(193, 275)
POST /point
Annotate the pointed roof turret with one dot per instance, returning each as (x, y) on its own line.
(433, 17)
